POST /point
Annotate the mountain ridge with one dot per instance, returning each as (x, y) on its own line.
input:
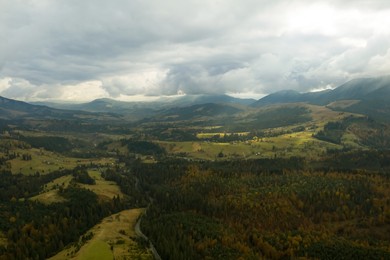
(356, 89)
(145, 108)
(369, 95)
(15, 109)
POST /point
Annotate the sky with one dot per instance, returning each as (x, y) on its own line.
(72, 50)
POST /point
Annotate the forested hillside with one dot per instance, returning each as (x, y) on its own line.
(37, 230)
(266, 209)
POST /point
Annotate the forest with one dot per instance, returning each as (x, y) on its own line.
(329, 207)
(272, 209)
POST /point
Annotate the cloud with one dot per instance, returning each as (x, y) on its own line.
(5, 84)
(119, 48)
(24, 90)
(18, 89)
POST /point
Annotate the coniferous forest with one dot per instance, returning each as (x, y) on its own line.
(266, 209)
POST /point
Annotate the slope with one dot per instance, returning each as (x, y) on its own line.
(358, 89)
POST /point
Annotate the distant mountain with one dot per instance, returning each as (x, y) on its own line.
(201, 111)
(283, 96)
(189, 100)
(359, 89)
(12, 109)
(362, 89)
(97, 105)
(113, 106)
(144, 109)
(133, 110)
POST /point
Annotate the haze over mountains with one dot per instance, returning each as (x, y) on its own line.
(367, 96)
(18, 110)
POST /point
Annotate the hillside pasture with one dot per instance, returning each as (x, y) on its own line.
(49, 197)
(342, 104)
(293, 140)
(50, 190)
(285, 145)
(106, 190)
(113, 238)
(43, 162)
(207, 135)
(323, 114)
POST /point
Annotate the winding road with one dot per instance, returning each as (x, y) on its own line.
(138, 231)
(137, 227)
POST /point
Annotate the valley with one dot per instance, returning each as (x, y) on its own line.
(288, 176)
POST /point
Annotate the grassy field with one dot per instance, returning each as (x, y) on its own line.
(97, 249)
(220, 135)
(61, 181)
(48, 197)
(113, 238)
(106, 190)
(50, 191)
(342, 104)
(300, 143)
(44, 161)
(321, 115)
(294, 144)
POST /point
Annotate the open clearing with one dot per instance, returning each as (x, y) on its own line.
(220, 135)
(50, 191)
(321, 115)
(48, 197)
(43, 161)
(113, 238)
(106, 190)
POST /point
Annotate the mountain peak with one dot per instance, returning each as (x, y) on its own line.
(188, 100)
(282, 96)
(287, 92)
(364, 88)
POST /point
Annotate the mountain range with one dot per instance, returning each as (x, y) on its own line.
(369, 96)
(145, 108)
(18, 110)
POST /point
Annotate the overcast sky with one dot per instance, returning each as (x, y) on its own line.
(79, 50)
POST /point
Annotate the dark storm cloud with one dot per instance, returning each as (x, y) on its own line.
(53, 49)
